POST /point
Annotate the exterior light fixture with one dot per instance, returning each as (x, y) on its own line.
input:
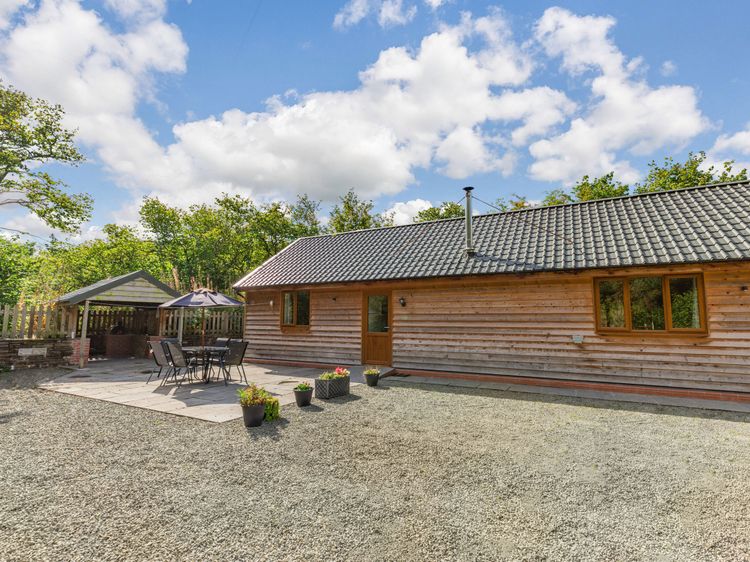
(743, 288)
(270, 303)
(402, 301)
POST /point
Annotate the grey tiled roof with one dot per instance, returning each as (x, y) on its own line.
(699, 224)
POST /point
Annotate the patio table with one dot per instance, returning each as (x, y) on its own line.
(205, 352)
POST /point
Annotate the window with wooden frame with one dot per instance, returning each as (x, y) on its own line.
(295, 309)
(655, 304)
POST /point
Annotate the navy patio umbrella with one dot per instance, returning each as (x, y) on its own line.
(203, 299)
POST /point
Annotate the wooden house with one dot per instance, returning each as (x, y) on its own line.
(648, 290)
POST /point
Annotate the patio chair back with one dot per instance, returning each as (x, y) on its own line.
(222, 342)
(175, 352)
(160, 356)
(236, 353)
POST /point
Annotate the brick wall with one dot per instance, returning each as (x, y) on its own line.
(58, 352)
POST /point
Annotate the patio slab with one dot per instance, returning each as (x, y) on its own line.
(124, 382)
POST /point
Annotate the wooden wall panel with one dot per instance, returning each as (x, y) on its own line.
(334, 335)
(523, 326)
(526, 326)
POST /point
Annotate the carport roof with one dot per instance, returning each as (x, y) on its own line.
(100, 289)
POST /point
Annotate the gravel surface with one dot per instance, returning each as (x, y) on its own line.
(397, 472)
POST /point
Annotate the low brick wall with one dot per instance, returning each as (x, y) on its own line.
(29, 354)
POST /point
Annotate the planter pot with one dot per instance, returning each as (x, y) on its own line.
(372, 380)
(253, 415)
(332, 388)
(303, 397)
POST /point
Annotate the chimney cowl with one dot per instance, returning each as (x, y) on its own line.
(469, 219)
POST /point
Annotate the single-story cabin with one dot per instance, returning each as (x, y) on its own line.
(648, 290)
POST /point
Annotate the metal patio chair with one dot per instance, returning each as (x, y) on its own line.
(232, 358)
(161, 361)
(179, 361)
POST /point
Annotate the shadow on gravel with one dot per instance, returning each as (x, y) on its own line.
(312, 408)
(6, 417)
(272, 429)
(598, 403)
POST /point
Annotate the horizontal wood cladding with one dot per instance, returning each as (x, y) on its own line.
(526, 327)
(334, 334)
(136, 291)
(521, 325)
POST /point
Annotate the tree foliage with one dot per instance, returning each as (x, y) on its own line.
(675, 175)
(17, 263)
(31, 134)
(446, 210)
(352, 213)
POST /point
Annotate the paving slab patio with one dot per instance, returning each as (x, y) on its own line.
(124, 382)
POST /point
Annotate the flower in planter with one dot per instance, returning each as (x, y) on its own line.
(302, 387)
(372, 371)
(255, 395)
(337, 373)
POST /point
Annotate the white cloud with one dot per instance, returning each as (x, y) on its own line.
(435, 4)
(30, 225)
(668, 68)
(138, 9)
(461, 101)
(412, 109)
(352, 13)
(626, 113)
(8, 9)
(734, 147)
(404, 212)
(392, 13)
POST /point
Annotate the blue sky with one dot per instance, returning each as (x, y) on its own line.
(405, 101)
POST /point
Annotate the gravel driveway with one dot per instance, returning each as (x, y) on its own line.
(398, 472)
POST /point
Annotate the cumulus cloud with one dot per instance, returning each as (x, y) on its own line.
(404, 212)
(462, 101)
(626, 114)
(8, 9)
(668, 68)
(731, 147)
(393, 12)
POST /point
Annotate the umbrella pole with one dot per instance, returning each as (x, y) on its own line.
(203, 329)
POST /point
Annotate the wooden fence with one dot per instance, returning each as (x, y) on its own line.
(50, 321)
(219, 323)
(35, 322)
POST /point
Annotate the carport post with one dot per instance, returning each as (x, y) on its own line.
(180, 324)
(84, 325)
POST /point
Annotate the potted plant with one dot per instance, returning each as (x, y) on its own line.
(303, 394)
(254, 401)
(372, 376)
(332, 384)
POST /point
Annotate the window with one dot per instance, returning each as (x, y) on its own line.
(295, 308)
(650, 304)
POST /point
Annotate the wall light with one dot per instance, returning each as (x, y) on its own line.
(743, 288)
(270, 303)
(402, 301)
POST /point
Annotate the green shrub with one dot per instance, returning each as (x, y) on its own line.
(273, 409)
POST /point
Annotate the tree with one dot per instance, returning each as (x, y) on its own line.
(515, 203)
(305, 215)
(17, 264)
(31, 134)
(556, 197)
(354, 214)
(446, 210)
(603, 187)
(674, 175)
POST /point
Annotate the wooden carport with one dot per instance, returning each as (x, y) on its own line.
(138, 290)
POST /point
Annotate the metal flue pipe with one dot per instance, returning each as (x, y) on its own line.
(469, 217)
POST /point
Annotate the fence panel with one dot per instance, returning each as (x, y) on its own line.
(219, 323)
(32, 323)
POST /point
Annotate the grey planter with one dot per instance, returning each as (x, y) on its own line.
(332, 388)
